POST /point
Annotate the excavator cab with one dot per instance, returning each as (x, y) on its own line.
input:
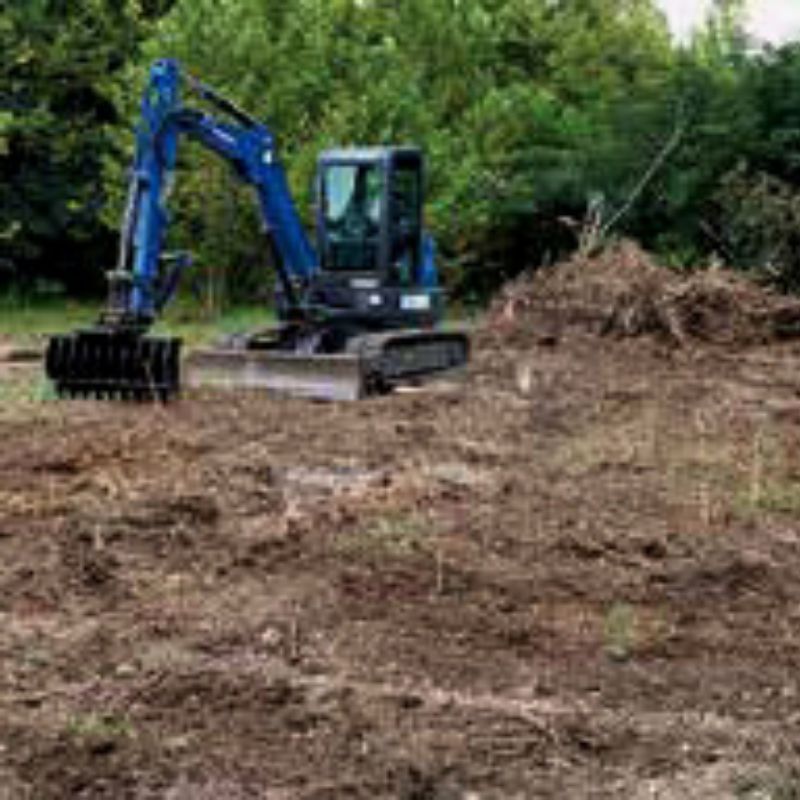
(371, 244)
(370, 220)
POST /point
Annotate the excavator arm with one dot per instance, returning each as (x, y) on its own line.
(239, 139)
(115, 357)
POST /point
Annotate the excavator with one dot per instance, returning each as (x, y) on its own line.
(358, 314)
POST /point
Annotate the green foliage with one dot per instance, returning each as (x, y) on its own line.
(759, 224)
(58, 59)
(99, 732)
(619, 631)
(513, 102)
(530, 112)
(773, 90)
(749, 206)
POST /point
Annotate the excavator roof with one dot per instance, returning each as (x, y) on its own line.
(360, 155)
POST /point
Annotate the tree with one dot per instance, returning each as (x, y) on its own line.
(756, 207)
(530, 112)
(55, 123)
(513, 101)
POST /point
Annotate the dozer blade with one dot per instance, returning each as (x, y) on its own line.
(324, 377)
(108, 364)
(372, 364)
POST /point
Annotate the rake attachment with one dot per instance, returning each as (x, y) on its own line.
(107, 363)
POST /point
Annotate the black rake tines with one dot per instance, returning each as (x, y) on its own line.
(114, 366)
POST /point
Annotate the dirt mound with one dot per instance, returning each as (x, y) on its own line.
(623, 293)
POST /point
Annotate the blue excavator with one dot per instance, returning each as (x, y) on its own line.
(358, 314)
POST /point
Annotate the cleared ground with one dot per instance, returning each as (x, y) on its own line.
(572, 574)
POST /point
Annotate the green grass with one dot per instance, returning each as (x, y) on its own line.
(393, 535)
(196, 328)
(27, 321)
(99, 730)
(619, 631)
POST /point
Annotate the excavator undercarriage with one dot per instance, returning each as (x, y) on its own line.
(371, 364)
(109, 364)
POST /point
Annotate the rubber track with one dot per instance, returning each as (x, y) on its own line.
(392, 359)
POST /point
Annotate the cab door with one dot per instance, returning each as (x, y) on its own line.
(405, 219)
(352, 205)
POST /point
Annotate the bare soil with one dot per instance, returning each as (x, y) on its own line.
(572, 574)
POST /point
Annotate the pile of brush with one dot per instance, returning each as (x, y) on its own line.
(622, 293)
